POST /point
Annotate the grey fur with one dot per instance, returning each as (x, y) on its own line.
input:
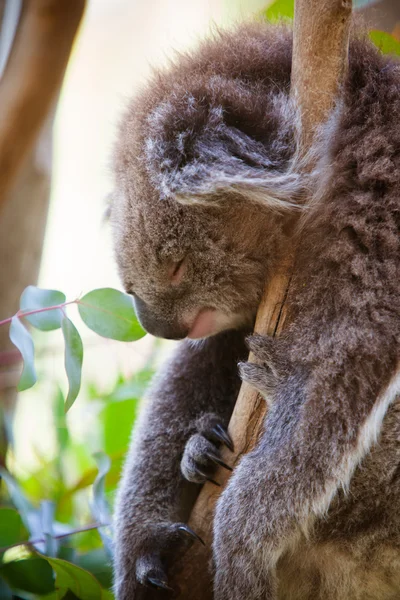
(206, 171)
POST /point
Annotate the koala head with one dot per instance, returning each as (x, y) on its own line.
(204, 185)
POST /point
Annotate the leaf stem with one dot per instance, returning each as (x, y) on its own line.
(22, 313)
(54, 537)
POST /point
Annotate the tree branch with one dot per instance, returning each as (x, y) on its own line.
(32, 78)
(320, 48)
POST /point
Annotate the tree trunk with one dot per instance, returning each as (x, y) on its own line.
(28, 92)
(320, 45)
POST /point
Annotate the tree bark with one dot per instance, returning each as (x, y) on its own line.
(28, 93)
(33, 77)
(320, 49)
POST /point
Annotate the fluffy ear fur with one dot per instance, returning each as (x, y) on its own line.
(215, 147)
(227, 125)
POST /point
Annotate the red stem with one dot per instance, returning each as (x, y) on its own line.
(54, 537)
(20, 313)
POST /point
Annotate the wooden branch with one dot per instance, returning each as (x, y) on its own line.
(33, 77)
(320, 46)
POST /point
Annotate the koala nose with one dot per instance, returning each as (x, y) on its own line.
(156, 325)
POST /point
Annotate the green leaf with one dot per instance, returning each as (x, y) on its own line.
(281, 9)
(29, 514)
(61, 426)
(385, 42)
(117, 419)
(110, 313)
(78, 581)
(12, 530)
(73, 360)
(5, 590)
(98, 563)
(21, 338)
(133, 388)
(100, 508)
(34, 298)
(31, 575)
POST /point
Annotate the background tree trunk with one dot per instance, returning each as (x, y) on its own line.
(28, 92)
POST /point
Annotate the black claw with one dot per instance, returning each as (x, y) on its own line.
(158, 583)
(217, 460)
(223, 436)
(213, 482)
(189, 531)
(202, 474)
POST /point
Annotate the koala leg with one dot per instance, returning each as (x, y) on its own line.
(193, 397)
(320, 424)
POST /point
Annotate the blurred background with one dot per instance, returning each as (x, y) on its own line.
(57, 237)
(117, 44)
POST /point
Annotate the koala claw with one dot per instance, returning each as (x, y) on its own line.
(157, 583)
(221, 435)
(154, 560)
(206, 477)
(185, 529)
(202, 455)
(218, 461)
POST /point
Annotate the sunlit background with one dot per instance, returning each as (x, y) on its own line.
(119, 41)
(52, 456)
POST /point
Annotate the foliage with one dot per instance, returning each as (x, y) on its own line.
(61, 546)
(385, 42)
(281, 9)
(108, 312)
(69, 533)
(284, 10)
(55, 524)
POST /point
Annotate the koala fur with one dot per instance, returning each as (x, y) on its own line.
(208, 190)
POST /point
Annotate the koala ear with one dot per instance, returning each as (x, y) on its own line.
(223, 138)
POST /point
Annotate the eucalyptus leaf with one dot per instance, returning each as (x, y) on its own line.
(110, 313)
(98, 563)
(99, 507)
(60, 422)
(80, 582)
(117, 419)
(31, 575)
(29, 514)
(385, 42)
(73, 360)
(34, 298)
(5, 590)
(281, 9)
(12, 529)
(132, 388)
(21, 338)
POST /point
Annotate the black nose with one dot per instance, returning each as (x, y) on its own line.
(163, 327)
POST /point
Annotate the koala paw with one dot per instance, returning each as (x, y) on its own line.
(202, 453)
(267, 373)
(142, 574)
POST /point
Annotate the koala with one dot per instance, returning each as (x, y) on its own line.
(209, 194)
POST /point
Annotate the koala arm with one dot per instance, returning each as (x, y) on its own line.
(330, 380)
(199, 383)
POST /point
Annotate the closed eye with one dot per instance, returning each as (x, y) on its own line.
(177, 271)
